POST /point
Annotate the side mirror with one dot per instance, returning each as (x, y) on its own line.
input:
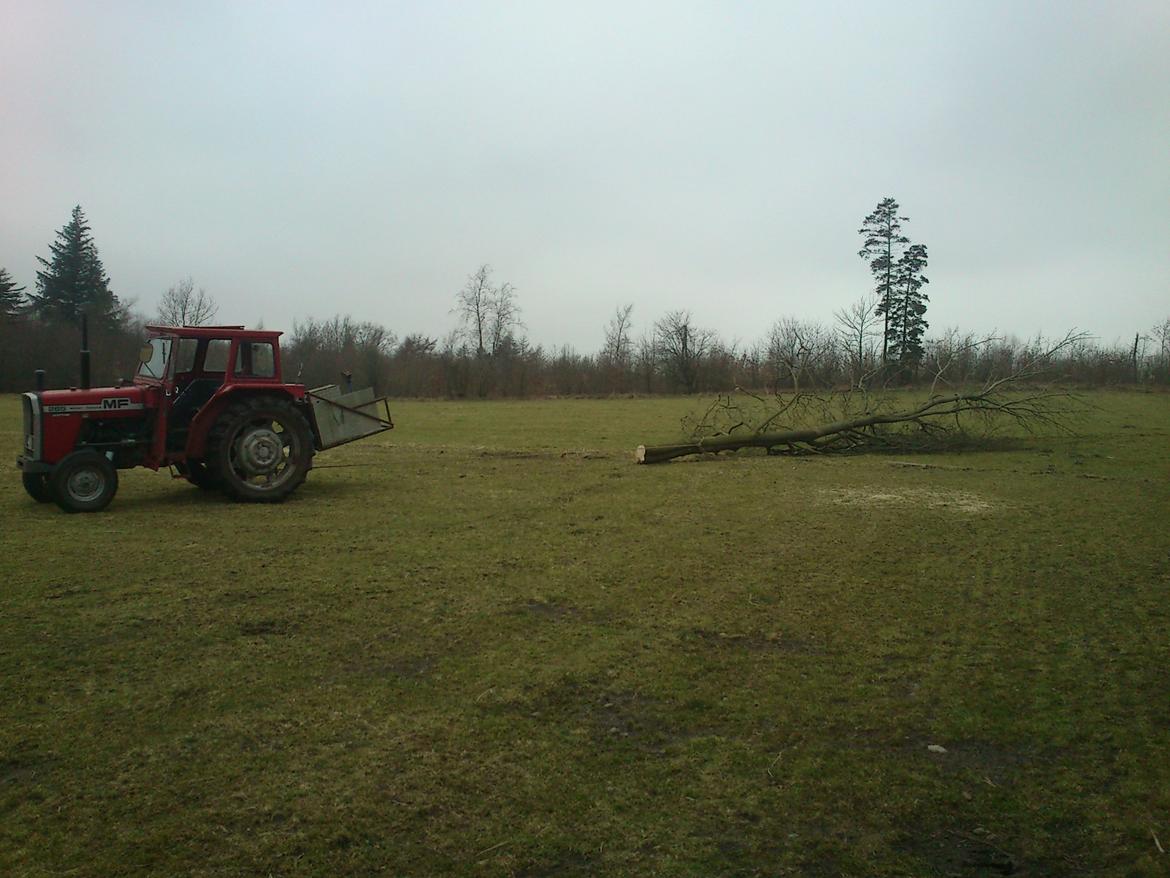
(145, 353)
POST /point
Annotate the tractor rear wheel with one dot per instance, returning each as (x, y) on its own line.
(85, 481)
(260, 449)
(37, 486)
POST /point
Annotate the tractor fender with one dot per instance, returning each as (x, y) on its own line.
(206, 417)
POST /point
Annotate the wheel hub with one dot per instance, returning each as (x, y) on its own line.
(261, 452)
(84, 485)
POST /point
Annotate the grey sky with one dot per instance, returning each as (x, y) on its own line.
(310, 159)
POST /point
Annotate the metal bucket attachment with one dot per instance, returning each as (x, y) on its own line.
(346, 417)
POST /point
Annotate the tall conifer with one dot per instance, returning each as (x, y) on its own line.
(11, 296)
(73, 280)
(882, 231)
(908, 309)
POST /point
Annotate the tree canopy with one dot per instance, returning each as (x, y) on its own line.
(73, 280)
(883, 243)
(897, 267)
(181, 305)
(11, 296)
(908, 309)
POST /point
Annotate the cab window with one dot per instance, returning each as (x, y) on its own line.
(216, 358)
(153, 363)
(255, 359)
(185, 356)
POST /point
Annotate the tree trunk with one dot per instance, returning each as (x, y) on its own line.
(808, 436)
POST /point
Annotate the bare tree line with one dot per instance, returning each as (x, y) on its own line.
(487, 354)
(877, 339)
(676, 354)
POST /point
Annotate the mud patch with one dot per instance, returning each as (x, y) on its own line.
(550, 610)
(62, 592)
(607, 717)
(963, 502)
(413, 667)
(560, 864)
(407, 667)
(585, 454)
(234, 597)
(753, 641)
(22, 767)
(556, 611)
(951, 852)
(984, 761)
(267, 628)
(626, 715)
(906, 464)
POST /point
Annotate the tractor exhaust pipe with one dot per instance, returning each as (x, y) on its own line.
(39, 380)
(84, 353)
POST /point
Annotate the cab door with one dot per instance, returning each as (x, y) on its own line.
(155, 376)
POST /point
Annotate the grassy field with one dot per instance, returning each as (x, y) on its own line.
(487, 643)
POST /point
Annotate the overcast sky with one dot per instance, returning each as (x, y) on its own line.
(317, 158)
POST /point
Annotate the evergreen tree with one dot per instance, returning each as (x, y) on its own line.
(11, 296)
(73, 280)
(883, 245)
(907, 315)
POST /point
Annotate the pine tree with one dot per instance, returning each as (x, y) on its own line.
(883, 245)
(907, 316)
(11, 296)
(73, 280)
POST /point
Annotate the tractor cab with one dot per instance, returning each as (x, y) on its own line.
(192, 366)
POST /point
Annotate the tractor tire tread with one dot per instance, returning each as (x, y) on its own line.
(226, 424)
(37, 486)
(59, 481)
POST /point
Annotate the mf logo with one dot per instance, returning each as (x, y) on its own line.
(120, 402)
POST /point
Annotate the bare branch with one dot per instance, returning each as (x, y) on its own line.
(182, 306)
(747, 420)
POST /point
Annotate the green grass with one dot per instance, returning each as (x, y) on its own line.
(487, 643)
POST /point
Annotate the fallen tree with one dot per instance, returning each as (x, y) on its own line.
(804, 422)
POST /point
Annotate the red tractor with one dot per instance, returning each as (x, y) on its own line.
(208, 402)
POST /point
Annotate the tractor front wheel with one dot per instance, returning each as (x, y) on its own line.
(37, 486)
(84, 481)
(260, 449)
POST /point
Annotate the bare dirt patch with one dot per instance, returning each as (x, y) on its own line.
(513, 454)
(964, 502)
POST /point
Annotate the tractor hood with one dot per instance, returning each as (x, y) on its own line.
(99, 400)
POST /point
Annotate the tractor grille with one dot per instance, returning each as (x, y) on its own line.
(31, 408)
